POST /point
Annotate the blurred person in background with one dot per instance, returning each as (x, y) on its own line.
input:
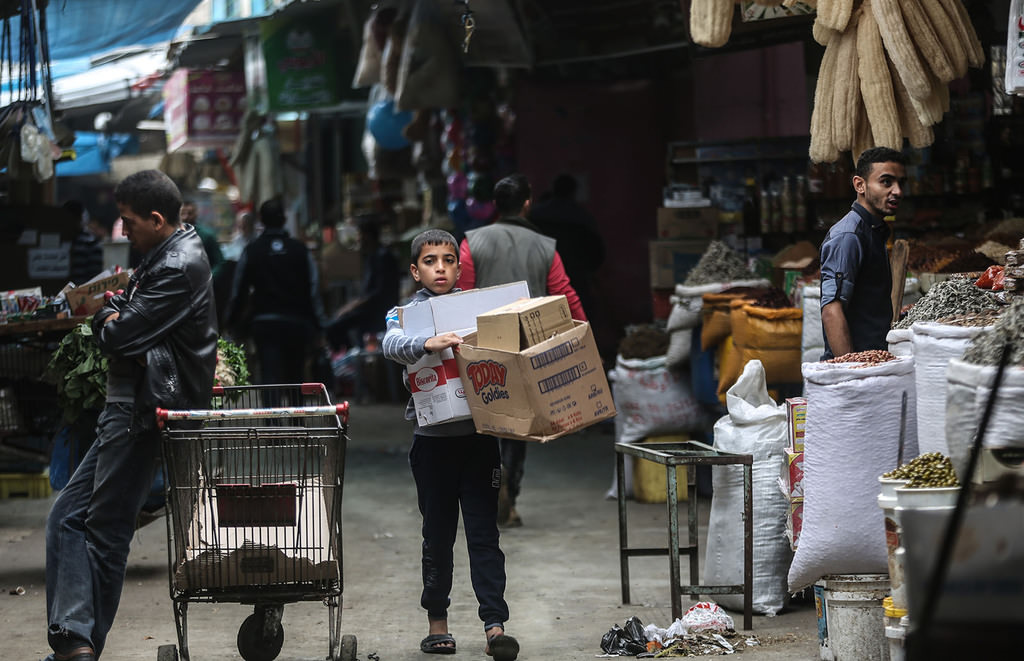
(275, 299)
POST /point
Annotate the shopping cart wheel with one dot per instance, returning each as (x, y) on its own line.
(348, 648)
(261, 635)
(167, 653)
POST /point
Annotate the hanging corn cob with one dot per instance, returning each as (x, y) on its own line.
(846, 103)
(876, 85)
(885, 72)
(711, 22)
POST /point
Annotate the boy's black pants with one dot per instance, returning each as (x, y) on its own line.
(453, 472)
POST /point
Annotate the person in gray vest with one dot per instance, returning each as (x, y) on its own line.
(509, 250)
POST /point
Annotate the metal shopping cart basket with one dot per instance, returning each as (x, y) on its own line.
(254, 491)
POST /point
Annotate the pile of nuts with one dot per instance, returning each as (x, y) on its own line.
(927, 471)
(872, 357)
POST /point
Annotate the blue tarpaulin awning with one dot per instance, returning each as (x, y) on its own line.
(94, 151)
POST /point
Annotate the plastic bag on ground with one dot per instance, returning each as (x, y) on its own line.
(629, 640)
(756, 425)
(707, 616)
(664, 637)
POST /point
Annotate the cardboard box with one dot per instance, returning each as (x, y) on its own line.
(687, 223)
(795, 522)
(522, 324)
(437, 391)
(671, 261)
(539, 393)
(796, 421)
(86, 299)
(795, 474)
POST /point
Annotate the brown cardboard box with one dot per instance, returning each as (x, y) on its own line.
(671, 261)
(88, 298)
(539, 393)
(522, 324)
(687, 223)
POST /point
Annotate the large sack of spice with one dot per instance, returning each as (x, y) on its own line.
(715, 317)
(935, 344)
(770, 335)
(687, 305)
(851, 437)
(756, 425)
(969, 386)
(812, 338)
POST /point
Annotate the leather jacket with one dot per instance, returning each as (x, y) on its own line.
(167, 320)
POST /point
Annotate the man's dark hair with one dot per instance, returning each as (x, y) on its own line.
(511, 193)
(874, 155)
(432, 238)
(148, 191)
(272, 213)
(564, 186)
(75, 208)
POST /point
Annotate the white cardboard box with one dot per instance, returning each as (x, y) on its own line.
(437, 391)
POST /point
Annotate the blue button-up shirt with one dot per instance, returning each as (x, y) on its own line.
(855, 271)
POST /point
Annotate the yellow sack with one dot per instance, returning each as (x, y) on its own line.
(715, 321)
(774, 337)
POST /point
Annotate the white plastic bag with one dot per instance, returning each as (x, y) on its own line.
(968, 387)
(812, 343)
(935, 345)
(707, 616)
(1014, 78)
(852, 437)
(652, 399)
(899, 340)
(756, 425)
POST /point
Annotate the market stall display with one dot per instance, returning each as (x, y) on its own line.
(957, 295)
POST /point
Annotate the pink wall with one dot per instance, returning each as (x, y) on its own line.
(612, 138)
(758, 93)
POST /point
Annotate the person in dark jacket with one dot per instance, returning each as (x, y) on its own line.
(160, 335)
(276, 299)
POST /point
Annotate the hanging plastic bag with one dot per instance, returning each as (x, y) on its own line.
(428, 75)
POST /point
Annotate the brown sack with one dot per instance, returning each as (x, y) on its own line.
(772, 336)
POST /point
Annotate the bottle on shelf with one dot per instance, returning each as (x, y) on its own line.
(766, 209)
(751, 209)
(800, 197)
(788, 206)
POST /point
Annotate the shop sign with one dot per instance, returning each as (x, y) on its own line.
(301, 56)
(203, 108)
(751, 11)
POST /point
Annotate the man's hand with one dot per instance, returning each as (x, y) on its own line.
(111, 318)
(441, 342)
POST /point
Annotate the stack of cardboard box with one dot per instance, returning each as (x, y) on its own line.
(684, 234)
(532, 373)
(793, 472)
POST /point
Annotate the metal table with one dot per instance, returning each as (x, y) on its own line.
(671, 455)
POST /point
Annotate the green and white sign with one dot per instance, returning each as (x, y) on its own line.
(301, 57)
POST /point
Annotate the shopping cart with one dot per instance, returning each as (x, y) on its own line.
(254, 491)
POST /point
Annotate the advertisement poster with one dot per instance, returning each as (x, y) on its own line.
(203, 108)
(301, 55)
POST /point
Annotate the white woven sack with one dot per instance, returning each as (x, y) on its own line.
(680, 342)
(813, 337)
(756, 425)
(934, 346)
(968, 387)
(851, 437)
(651, 399)
(899, 340)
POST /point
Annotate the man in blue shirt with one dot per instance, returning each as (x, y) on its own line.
(856, 281)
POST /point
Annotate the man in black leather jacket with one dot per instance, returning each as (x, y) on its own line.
(160, 336)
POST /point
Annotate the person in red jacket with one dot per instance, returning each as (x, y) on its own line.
(509, 250)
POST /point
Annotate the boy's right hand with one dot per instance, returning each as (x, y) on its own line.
(441, 342)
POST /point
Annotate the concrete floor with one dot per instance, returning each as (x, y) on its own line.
(562, 565)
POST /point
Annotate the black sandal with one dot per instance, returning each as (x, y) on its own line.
(503, 647)
(437, 643)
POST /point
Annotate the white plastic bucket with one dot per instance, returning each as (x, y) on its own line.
(907, 498)
(896, 635)
(854, 620)
(887, 501)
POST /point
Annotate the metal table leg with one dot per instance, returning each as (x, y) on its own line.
(691, 492)
(748, 548)
(673, 542)
(620, 489)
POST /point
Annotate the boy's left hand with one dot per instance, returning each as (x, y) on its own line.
(441, 342)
